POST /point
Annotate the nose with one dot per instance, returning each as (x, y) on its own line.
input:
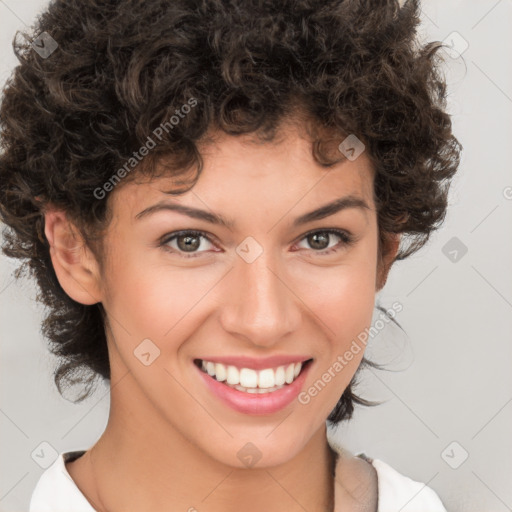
(260, 305)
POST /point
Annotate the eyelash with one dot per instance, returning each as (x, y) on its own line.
(346, 241)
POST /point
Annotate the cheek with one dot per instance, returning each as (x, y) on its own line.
(344, 307)
(343, 297)
(156, 301)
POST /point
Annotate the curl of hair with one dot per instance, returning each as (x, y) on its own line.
(124, 67)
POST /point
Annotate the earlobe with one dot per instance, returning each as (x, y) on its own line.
(75, 265)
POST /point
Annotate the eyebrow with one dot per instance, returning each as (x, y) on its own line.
(326, 210)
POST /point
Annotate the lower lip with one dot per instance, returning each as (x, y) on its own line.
(253, 403)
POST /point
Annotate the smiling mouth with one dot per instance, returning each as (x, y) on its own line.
(253, 381)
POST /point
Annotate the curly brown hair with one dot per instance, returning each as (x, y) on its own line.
(123, 67)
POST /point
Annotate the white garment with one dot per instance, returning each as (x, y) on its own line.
(56, 491)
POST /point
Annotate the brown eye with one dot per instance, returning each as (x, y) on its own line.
(183, 242)
(321, 240)
(188, 243)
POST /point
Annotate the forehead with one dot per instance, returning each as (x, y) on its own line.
(242, 174)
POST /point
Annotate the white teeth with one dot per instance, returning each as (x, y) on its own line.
(257, 390)
(280, 376)
(210, 368)
(220, 372)
(248, 378)
(232, 375)
(252, 381)
(290, 369)
(266, 379)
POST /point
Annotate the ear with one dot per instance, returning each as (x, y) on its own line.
(75, 265)
(389, 252)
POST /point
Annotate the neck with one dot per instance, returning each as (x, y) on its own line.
(142, 463)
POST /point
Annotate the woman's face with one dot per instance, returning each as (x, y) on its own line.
(267, 284)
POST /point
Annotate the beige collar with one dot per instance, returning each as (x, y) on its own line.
(355, 483)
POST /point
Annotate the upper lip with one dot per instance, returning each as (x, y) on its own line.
(259, 363)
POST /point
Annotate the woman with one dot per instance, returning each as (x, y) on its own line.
(209, 195)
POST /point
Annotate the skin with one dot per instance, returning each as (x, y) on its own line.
(169, 443)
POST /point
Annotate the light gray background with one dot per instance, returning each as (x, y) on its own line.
(451, 378)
